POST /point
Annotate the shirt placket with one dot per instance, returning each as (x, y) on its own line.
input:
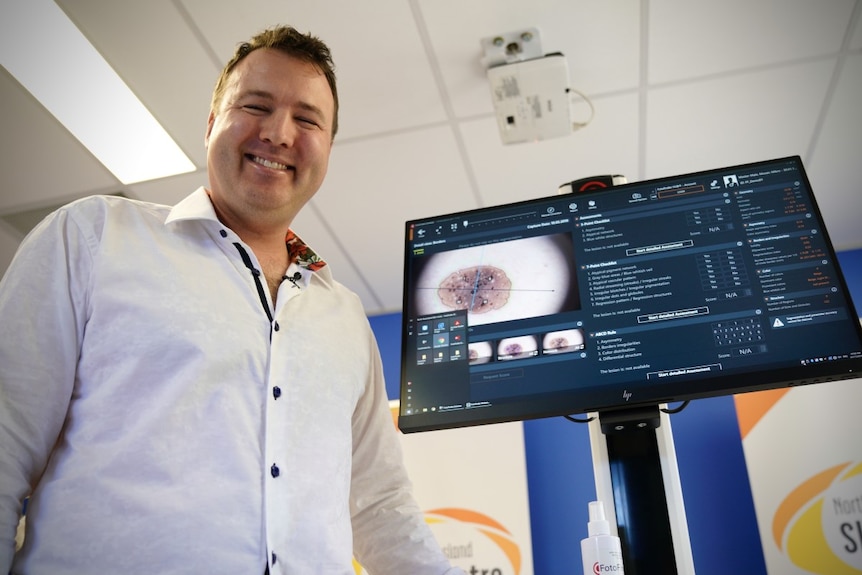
(277, 484)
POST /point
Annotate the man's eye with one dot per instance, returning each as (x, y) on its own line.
(307, 121)
(254, 108)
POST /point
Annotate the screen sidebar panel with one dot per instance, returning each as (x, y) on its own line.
(684, 287)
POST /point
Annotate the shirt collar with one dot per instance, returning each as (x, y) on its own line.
(198, 206)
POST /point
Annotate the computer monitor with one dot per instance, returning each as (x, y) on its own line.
(697, 285)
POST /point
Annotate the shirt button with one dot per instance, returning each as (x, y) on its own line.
(276, 327)
(274, 558)
(276, 392)
(274, 470)
(223, 233)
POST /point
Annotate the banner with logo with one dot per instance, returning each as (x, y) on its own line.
(472, 484)
(803, 450)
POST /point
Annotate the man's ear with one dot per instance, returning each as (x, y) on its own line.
(210, 121)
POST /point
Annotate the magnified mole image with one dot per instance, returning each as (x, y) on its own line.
(503, 281)
(478, 289)
(516, 347)
(563, 341)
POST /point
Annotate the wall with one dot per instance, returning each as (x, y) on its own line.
(719, 506)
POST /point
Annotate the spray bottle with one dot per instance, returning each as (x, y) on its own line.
(601, 552)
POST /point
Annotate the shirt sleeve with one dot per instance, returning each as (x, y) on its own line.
(42, 315)
(390, 533)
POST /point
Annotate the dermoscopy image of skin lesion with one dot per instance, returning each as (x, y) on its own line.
(523, 346)
(502, 281)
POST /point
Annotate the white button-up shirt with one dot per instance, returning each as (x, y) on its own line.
(161, 422)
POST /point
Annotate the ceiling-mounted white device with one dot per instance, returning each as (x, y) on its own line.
(529, 89)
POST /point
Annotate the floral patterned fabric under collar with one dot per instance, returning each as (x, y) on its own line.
(300, 253)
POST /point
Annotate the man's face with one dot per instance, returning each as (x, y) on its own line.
(268, 144)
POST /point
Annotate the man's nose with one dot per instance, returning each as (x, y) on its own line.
(278, 129)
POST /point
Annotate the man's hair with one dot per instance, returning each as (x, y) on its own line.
(288, 40)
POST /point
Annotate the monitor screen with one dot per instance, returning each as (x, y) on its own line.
(658, 291)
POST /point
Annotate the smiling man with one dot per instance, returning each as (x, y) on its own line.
(268, 142)
(187, 389)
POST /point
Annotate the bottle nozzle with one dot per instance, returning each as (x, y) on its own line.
(597, 511)
(598, 525)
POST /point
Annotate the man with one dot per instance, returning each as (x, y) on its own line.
(187, 389)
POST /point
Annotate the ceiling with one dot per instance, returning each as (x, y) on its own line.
(677, 85)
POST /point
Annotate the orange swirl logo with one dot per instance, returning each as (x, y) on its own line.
(496, 541)
(819, 524)
(490, 529)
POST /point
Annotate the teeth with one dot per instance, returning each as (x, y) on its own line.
(268, 164)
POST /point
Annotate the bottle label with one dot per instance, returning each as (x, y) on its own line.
(610, 563)
(601, 568)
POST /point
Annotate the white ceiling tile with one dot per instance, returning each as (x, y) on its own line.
(41, 160)
(223, 25)
(516, 172)
(375, 186)
(384, 78)
(856, 40)
(154, 51)
(698, 38)
(733, 120)
(598, 37)
(835, 167)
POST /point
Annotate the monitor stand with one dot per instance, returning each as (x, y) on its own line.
(637, 478)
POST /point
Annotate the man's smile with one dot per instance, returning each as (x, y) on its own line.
(268, 163)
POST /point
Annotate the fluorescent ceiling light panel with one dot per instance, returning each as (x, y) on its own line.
(50, 57)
